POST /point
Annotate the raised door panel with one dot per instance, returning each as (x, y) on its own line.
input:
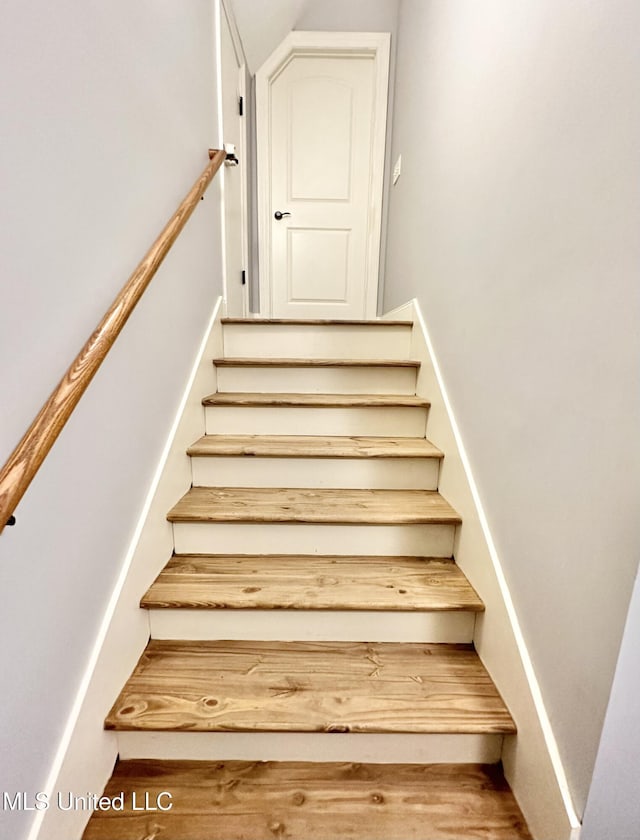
(309, 177)
(318, 265)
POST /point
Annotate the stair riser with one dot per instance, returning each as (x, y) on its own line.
(301, 746)
(355, 473)
(375, 421)
(302, 538)
(299, 341)
(322, 380)
(313, 625)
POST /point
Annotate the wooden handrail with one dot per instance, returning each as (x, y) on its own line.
(25, 461)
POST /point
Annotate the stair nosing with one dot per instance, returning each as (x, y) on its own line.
(353, 322)
(204, 504)
(293, 362)
(307, 446)
(252, 399)
(368, 797)
(457, 664)
(227, 576)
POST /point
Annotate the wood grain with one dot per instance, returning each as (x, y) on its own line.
(319, 321)
(310, 687)
(315, 400)
(238, 800)
(24, 462)
(239, 361)
(312, 446)
(274, 504)
(311, 582)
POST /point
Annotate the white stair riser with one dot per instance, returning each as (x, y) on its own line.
(301, 746)
(375, 421)
(317, 380)
(355, 473)
(302, 538)
(300, 341)
(453, 627)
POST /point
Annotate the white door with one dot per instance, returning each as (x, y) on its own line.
(322, 104)
(232, 72)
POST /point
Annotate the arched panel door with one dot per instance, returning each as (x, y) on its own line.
(321, 181)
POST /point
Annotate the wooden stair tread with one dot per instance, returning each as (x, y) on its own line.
(309, 582)
(354, 322)
(322, 505)
(256, 686)
(236, 800)
(313, 446)
(317, 400)
(241, 361)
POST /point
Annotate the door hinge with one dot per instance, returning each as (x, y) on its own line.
(241, 105)
(244, 277)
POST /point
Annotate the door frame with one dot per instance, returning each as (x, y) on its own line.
(222, 8)
(339, 44)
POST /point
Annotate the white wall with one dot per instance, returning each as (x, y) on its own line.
(613, 806)
(348, 15)
(515, 225)
(263, 24)
(108, 111)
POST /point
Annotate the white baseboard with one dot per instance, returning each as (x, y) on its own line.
(86, 754)
(404, 312)
(531, 759)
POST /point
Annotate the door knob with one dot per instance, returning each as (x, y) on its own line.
(278, 215)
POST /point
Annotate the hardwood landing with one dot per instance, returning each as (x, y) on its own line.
(311, 583)
(274, 504)
(257, 686)
(312, 446)
(238, 800)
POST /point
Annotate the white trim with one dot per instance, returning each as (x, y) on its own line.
(305, 43)
(336, 625)
(404, 312)
(94, 676)
(350, 747)
(217, 17)
(244, 163)
(235, 32)
(529, 672)
(291, 340)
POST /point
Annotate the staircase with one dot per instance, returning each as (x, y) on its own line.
(311, 670)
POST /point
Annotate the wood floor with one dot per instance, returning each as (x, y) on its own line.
(269, 504)
(325, 322)
(320, 400)
(310, 687)
(312, 446)
(236, 800)
(239, 361)
(311, 582)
